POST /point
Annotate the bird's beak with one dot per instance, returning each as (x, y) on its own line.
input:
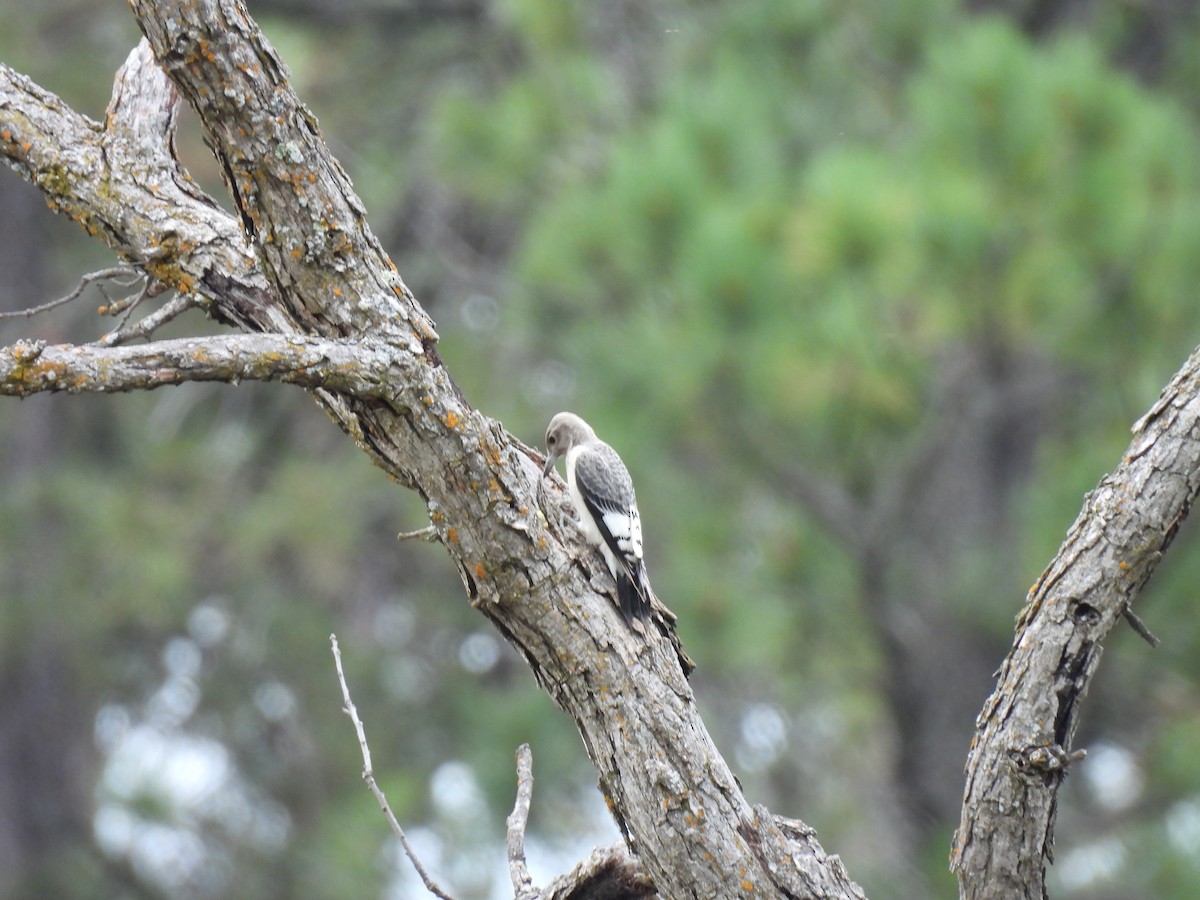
(551, 458)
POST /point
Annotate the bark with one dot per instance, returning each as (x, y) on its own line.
(300, 259)
(1023, 741)
(119, 180)
(363, 368)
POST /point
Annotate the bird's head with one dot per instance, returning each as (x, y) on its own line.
(564, 432)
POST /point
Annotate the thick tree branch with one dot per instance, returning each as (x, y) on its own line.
(120, 180)
(365, 368)
(1023, 735)
(295, 201)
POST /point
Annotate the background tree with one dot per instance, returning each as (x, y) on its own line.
(963, 255)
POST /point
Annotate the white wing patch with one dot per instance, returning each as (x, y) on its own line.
(626, 528)
(603, 494)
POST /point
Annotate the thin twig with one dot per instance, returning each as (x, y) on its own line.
(428, 534)
(126, 305)
(518, 869)
(1139, 626)
(149, 323)
(113, 273)
(369, 776)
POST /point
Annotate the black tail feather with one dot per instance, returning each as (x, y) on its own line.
(634, 595)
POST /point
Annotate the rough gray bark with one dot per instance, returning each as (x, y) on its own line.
(1022, 745)
(363, 368)
(302, 261)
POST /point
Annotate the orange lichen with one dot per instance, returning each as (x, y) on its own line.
(452, 534)
(451, 419)
(480, 571)
(52, 372)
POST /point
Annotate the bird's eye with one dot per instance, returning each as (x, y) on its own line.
(551, 440)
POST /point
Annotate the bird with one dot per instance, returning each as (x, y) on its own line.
(602, 492)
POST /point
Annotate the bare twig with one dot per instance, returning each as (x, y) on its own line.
(369, 776)
(518, 869)
(125, 304)
(428, 534)
(1136, 623)
(112, 274)
(148, 324)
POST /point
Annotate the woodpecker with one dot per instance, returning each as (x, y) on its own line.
(602, 493)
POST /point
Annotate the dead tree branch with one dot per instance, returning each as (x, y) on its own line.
(518, 868)
(368, 775)
(1023, 736)
(149, 323)
(120, 181)
(114, 273)
(609, 873)
(364, 368)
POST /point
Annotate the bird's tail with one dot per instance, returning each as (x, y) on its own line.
(634, 593)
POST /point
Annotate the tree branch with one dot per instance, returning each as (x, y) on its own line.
(295, 202)
(365, 368)
(121, 182)
(113, 273)
(1023, 735)
(148, 324)
(368, 775)
(518, 869)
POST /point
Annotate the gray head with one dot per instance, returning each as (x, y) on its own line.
(564, 432)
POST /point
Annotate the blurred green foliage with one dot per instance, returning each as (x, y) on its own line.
(866, 295)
